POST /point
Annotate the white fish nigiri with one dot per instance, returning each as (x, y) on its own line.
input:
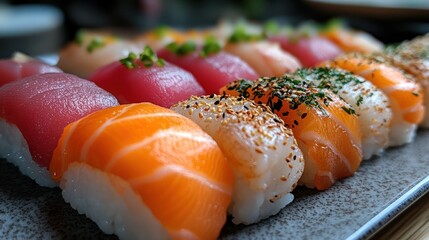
(91, 51)
(264, 155)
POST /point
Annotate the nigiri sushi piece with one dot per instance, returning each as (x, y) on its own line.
(226, 27)
(411, 56)
(91, 51)
(34, 112)
(370, 103)
(146, 78)
(351, 40)
(211, 67)
(267, 58)
(309, 50)
(263, 154)
(160, 37)
(20, 66)
(405, 95)
(326, 128)
(158, 175)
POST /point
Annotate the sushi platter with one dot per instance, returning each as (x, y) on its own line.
(240, 131)
(354, 208)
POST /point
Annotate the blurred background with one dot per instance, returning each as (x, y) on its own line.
(44, 26)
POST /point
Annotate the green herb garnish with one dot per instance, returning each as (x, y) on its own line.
(161, 31)
(182, 49)
(349, 110)
(240, 35)
(271, 28)
(359, 100)
(80, 35)
(148, 57)
(94, 44)
(129, 61)
(211, 46)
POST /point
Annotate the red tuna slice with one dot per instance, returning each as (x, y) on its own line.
(310, 51)
(11, 70)
(214, 71)
(42, 105)
(160, 85)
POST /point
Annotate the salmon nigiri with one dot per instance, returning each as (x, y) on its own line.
(267, 58)
(350, 40)
(405, 95)
(412, 57)
(158, 175)
(370, 103)
(326, 128)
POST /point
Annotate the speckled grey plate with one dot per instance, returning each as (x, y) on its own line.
(354, 208)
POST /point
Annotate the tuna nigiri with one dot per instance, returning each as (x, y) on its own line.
(326, 128)
(158, 175)
(370, 103)
(211, 67)
(309, 50)
(91, 51)
(145, 78)
(264, 155)
(20, 66)
(34, 112)
(405, 95)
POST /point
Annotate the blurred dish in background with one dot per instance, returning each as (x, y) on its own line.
(381, 9)
(40, 25)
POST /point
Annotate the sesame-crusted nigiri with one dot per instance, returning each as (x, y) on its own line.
(370, 103)
(264, 155)
(326, 128)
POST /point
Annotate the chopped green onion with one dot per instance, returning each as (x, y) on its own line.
(211, 46)
(240, 35)
(271, 28)
(148, 57)
(94, 44)
(79, 37)
(161, 31)
(182, 49)
(129, 61)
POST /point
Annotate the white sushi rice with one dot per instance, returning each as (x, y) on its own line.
(14, 148)
(401, 132)
(110, 202)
